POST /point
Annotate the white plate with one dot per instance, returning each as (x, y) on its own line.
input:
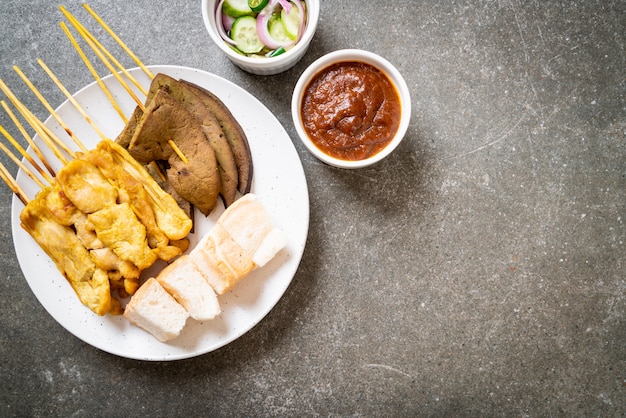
(278, 180)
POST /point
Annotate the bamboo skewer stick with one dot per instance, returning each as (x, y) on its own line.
(27, 156)
(19, 163)
(106, 62)
(178, 151)
(10, 181)
(93, 72)
(83, 31)
(71, 99)
(90, 39)
(118, 40)
(42, 130)
(32, 144)
(48, 107)
(44, 133)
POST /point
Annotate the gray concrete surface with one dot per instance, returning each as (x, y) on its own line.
(479, 271)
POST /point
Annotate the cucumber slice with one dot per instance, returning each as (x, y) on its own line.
(291, 21)
(257, 5)
(276, 30)
(236, 8)
(245, 35)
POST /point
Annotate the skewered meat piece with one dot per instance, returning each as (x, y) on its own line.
(170, 218)
(102, 222)
(210, 126)
(86, 187)
(130, 190)
(119, 229)
(106, 259)
(86, 233)
(61, 243)
(60, 207)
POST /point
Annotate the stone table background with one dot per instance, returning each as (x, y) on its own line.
(478, 271)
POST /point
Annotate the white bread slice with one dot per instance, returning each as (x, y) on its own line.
(249, 224)
(189, 287)
(222, 260)
(156, 311)
(274, 241)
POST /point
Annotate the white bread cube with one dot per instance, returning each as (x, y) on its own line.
(190, 288)
(249, 224)
(222, 260)
(273, 242)
(156, 311)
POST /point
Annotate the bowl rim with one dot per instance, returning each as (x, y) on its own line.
(352, 55)
(313, 12)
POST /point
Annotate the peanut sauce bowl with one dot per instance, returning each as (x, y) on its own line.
(351, 108)
(266, 61)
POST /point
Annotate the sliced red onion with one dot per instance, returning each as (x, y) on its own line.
(283, 3)
(227, 21)
(286, 5)
(219, 23)
(264, 35)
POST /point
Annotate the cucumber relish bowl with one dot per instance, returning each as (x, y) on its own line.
(253, 40)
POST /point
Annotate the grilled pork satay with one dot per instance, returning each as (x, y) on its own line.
(86, 187)
(68, 253)
(130, 190)
(120, 230)
(99, 229)
(170, 218)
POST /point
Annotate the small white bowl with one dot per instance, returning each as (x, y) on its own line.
(264, 66)
(351, 55)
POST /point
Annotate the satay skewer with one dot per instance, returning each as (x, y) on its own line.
(48, 107)
(32, 144)
(17, 161)
(84, 32)
(43, 131)
(10, 181)
(51, 140)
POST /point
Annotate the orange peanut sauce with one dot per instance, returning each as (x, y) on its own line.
(351, 110)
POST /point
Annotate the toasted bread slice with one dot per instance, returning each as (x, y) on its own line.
(243, 239)
(273, 242)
